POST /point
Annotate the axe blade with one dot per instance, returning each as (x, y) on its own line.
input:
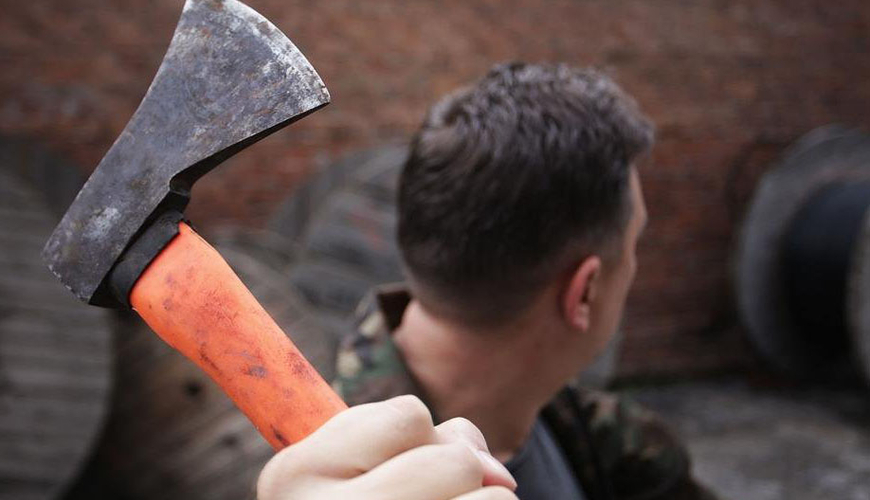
(228, 79)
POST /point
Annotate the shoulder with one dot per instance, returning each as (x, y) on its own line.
(638, 454)
(633, 443)
(369, 366)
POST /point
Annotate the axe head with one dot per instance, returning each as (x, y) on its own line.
(229, 78)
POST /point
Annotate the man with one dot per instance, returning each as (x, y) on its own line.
(519, 211)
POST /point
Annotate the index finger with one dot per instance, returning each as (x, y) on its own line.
(461, 430)
(362, 437)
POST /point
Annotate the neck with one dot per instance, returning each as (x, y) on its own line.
(500, 380)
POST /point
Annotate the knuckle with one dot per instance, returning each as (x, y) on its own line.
(463, 423)
(411, 414)
(465, 430)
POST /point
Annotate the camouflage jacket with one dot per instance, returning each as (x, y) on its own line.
(618, 450)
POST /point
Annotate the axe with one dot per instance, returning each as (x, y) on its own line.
(228, 79)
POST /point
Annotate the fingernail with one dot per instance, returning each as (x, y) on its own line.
(498, 468)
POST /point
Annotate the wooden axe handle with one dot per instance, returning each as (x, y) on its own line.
(192, 299)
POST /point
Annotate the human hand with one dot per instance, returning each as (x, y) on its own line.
(387, 450)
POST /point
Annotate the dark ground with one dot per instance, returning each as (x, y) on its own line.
(756, 442)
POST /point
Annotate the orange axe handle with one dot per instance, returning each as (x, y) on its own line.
(192, 299)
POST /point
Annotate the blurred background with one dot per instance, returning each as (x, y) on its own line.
(93, 406)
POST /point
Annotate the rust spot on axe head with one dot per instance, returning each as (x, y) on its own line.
(224, 83)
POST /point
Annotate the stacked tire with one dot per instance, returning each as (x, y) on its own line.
(803, 261)
(55, 353)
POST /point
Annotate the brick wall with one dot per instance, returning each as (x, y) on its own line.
(729, 83)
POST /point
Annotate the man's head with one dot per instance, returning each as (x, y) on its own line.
(520, 183)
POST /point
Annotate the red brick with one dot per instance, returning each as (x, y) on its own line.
(729, 84)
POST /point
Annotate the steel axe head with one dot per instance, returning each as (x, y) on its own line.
(228, 79)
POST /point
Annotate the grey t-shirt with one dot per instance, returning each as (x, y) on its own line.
(541, 469)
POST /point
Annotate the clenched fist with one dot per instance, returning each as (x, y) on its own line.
(385, 451)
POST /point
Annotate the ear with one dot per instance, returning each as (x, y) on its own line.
(578, 296)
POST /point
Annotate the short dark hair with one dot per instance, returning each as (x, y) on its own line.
(506, 176)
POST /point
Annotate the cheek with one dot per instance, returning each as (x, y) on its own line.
(623, 285)
(631, 265)
(629, 269)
